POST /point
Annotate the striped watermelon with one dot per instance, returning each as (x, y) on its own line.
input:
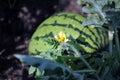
(89, 39)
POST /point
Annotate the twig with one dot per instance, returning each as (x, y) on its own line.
(2, 51)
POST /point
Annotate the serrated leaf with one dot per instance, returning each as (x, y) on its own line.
(31, 60)
(46, 64)
(94, 7)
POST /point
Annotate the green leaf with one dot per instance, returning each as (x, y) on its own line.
(52, 41)
(94, 7)
(45, 64)
(88, 10)
(32, 69)
(93, 20)
(107, 11)
(38, 73)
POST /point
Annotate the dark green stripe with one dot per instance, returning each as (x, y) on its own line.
(86, 44)
(45, 36)
(88, 36)
(105, 37)
(96, 38)
(37, 38)
(54, 24)
(70, 17)
(103, 34)
(100, 37)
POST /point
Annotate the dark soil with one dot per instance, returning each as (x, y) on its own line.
(18, 20)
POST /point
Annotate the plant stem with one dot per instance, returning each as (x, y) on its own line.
(85, 71)
(110, 35)
(110, 47)
(117, 44)
(105, 72)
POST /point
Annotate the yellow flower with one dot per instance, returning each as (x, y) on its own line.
(61, 37)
